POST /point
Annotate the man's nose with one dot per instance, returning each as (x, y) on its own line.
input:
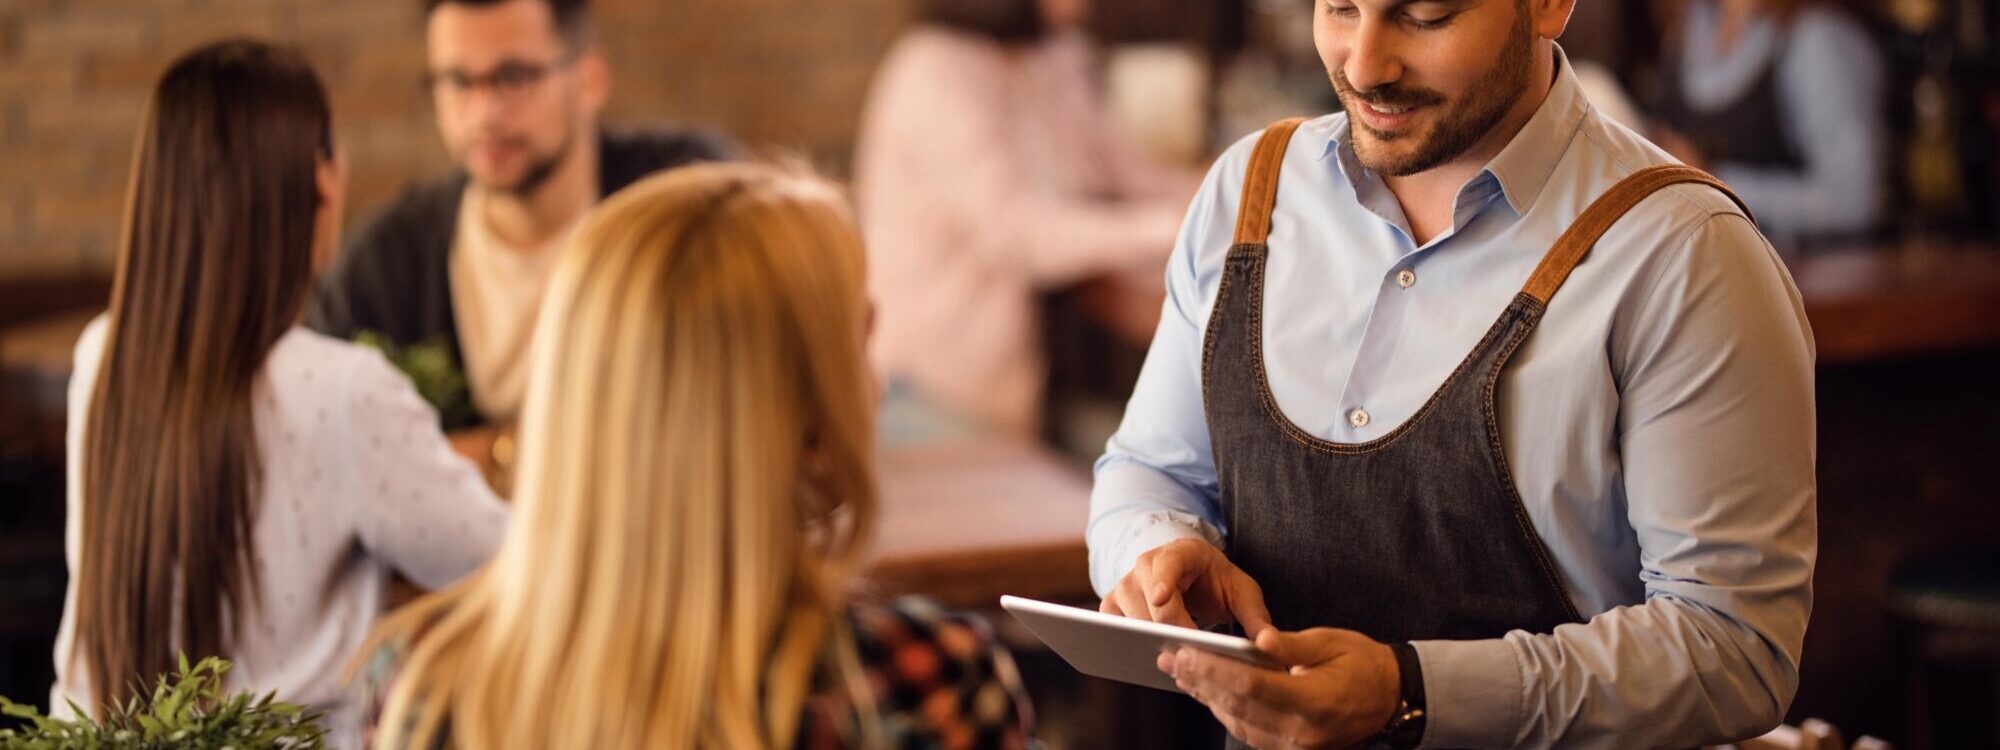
(1372, 59)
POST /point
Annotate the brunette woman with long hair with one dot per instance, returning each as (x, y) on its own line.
(696, 488)
(240, 487)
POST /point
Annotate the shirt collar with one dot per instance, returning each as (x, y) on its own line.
(1524, 165)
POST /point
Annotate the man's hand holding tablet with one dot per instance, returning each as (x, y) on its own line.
(1339, 688)
(1334, 688)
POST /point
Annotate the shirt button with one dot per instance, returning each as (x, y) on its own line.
(1406, 278)
(1358, 418)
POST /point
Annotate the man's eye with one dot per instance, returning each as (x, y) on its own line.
(1430, 23)
(514, 76)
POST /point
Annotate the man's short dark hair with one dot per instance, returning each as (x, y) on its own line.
(572, 16)
(1006, 21)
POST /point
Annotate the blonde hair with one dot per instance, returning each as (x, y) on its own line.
(695, 486)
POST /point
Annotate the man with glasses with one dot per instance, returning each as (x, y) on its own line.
(449, 278)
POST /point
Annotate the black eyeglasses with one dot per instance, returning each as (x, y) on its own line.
(511, 79)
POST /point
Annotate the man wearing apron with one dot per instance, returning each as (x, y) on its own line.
(1475, 410)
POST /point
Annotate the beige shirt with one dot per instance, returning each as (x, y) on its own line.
(496, 291)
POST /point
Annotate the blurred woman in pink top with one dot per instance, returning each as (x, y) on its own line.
(987, 171)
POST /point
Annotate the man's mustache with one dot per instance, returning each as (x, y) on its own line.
(1387, 95)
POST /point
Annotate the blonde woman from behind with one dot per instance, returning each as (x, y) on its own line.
(696, 488)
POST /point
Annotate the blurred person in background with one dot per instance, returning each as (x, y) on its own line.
(239, 486)
(987, 171)
(697, 488)
(1782, 100)
(455, 268)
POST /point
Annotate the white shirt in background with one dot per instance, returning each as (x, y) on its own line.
(357, 483)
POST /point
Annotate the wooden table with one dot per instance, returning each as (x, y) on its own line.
(1880, 302)
(968, 521)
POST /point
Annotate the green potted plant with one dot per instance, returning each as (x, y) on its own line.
(435, 372)
(185, 710)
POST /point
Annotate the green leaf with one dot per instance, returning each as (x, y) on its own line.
(17, 710)
(188, 709)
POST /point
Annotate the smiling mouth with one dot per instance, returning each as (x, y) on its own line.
(1387, 121)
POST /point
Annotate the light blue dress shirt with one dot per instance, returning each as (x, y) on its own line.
(1659, 422)
(1829, 80)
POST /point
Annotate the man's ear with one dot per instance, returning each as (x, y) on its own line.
(330, 182)
(593, 81)
(1551, 17)
(330, 177)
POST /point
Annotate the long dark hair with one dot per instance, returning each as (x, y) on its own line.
(215, 262)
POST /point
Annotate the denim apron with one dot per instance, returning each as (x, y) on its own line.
(1419, 534)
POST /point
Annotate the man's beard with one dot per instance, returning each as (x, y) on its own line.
(1457, 129)
(541, 169)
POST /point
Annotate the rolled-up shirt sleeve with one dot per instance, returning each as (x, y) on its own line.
(1717, 437)
(1156, 481)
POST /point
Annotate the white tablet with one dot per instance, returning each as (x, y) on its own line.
(1121, 648)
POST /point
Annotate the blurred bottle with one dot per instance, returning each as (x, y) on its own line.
(1932, 163)
(1932, 40)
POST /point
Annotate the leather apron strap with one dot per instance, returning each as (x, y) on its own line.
(1260, 182)
(1583, 233)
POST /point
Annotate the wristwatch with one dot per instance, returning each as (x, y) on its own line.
(1406, 727)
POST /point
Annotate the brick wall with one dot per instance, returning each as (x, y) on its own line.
(74, 75)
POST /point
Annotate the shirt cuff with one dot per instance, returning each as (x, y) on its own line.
(1473, 691)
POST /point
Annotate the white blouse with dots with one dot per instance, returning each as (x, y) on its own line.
(357, 482)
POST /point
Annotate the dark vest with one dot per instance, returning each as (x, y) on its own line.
(1749, 130)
